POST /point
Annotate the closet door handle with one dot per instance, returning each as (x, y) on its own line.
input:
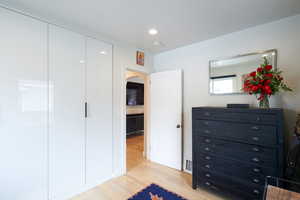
(85, 110)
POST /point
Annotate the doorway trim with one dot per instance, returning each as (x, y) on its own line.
(145, 76)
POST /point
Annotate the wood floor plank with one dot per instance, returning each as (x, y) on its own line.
(275, 193)
(142, 173)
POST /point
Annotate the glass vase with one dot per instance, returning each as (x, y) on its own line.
(264, 103)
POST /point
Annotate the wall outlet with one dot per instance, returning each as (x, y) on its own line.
(188, 165)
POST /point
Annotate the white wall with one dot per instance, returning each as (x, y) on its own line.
(283, 35)
(124, 58)
(135, 80)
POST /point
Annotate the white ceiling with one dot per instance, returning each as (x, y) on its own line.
(179, 22)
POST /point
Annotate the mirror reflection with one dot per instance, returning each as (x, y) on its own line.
(227, 75)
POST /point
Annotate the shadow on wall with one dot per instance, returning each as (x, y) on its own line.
(289, 124)
(290, 106)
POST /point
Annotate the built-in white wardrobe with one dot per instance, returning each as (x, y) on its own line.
(55, 110)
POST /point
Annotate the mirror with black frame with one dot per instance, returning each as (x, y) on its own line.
(227, 75)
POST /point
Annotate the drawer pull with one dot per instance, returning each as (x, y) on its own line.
(256, 180)
(207, 140)
(208, 183)
(208, 175)
(255, 149)
(255, 128)
(258, 119)
(207, 131)
(255, 191)
(255, 160)
(207, 166)
(206, 123)
(207, 114)
(207, 149)
(207, 157)
(257, 170)
(255, 138)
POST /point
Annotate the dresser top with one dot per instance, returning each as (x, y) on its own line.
(248, 110)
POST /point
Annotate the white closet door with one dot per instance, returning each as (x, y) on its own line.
(99, 118)
(67, 119)
(23, 107)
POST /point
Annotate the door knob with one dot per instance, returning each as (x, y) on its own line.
(178, 126)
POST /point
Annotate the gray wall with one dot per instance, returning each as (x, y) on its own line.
(283, 35)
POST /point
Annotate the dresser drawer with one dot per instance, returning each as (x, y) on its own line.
(249, 117)
(238, 151)
(218, 181)
(249, 133)
(251, 173)
(235, 149)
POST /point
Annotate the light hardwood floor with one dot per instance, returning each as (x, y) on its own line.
(142, 173)
(135, 148)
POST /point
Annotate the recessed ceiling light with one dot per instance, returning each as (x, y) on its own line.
(103, 52)
(153, 31)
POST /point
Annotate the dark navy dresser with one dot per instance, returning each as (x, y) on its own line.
(235, 149)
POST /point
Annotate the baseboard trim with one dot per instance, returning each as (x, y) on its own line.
(187, 171)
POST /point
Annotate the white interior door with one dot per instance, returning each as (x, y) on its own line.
(99, 112)
(67, 116)
(23, 107)
(166, 118)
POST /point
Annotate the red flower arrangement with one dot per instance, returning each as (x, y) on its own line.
(264, 82)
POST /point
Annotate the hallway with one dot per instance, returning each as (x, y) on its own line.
(135, 148)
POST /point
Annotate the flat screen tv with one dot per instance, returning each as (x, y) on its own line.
(134, 94)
